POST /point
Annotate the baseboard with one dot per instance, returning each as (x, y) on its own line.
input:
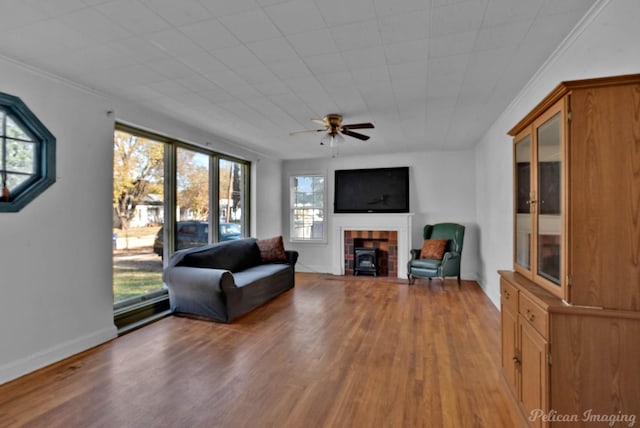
(23, 366)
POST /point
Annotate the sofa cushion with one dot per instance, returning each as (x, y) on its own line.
(272, 250)
(433, 248)
(234, 256)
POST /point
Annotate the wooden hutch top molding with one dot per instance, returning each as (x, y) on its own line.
(563, 89)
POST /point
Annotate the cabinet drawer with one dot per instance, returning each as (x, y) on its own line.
(533, 313)
(509, 296)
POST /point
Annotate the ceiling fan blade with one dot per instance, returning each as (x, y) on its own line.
(309, 131)
(355, 135)
(319, 121)
(367, 125)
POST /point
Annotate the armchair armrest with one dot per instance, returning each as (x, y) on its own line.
(449, 256)
(415, 254)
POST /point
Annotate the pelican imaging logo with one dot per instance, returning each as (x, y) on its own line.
(613, 419)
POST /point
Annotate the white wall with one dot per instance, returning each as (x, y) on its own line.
(605, 43)
(55, 254)
(442, 189)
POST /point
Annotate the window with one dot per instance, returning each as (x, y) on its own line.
(167, 196)
(27, 155)
(307, 208)
(232, 199)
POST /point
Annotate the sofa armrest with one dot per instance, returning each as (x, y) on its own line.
(197, 279)
(292, 257)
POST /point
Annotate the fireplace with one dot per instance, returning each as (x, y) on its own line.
(379, 244)
(365, 260)
(370, 229)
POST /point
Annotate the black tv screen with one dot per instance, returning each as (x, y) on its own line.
(376, 190)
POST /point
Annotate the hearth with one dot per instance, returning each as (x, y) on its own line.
(365, 260)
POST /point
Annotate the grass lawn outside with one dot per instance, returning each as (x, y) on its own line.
(137, 270)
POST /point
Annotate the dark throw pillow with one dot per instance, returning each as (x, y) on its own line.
(433, 248)
(272, 250)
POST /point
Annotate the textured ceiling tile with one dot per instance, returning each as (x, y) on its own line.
(139, 49)
(340, 12)
(452, 44)
(36, 8)
(179, 12)
(134, 16)
(500, 12)
(365, 58)
(251, 26)
(236, 56)
(356, 36)
(405, 26)
(295, 69)
(311, 43)
(501, 36)
(392, 7)
(458, 17)
(403, 52)
(171, 68)
(328, 63)
(173, 43)
(228, 7)
(296, 16)
(210, 34)
(273, 50)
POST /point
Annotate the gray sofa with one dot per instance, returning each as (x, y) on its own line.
(226, 280)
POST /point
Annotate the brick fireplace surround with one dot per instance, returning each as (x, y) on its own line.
(385, 241)
(398, 224)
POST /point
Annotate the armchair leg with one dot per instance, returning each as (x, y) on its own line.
(459, 282)
(410, 278)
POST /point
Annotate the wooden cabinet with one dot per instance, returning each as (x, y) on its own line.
(524, 350)
(571, 307)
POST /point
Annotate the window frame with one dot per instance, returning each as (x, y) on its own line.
(45, 154)
(129, 313)
(292, 208)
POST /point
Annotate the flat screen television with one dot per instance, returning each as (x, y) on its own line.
(375, 190)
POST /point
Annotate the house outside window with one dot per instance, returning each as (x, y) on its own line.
(308, 214)
(27, 155)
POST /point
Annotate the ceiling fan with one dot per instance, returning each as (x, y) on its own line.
(335, 129)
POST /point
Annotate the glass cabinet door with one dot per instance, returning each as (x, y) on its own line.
(523, 196)
(548, 205)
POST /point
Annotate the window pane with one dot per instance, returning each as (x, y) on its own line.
(192, 199)
(231, 200)
(15, 180)
(138, 208)
(15, 131)
(21, 157)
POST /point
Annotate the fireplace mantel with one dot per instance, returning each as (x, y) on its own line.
(401, 223)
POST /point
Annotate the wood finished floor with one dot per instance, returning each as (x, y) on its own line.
(333, 352)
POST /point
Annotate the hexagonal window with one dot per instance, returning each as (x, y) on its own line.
(27, 155)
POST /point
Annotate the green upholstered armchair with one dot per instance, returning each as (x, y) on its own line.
(449, 265)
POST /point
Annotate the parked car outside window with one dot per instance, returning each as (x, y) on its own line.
(195, 234)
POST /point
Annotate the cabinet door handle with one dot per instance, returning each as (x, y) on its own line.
(506, 295)
(516, 360)
(529, 315)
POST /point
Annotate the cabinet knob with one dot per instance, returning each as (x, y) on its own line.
(529, 315)
(506, 294)
(516, 360)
